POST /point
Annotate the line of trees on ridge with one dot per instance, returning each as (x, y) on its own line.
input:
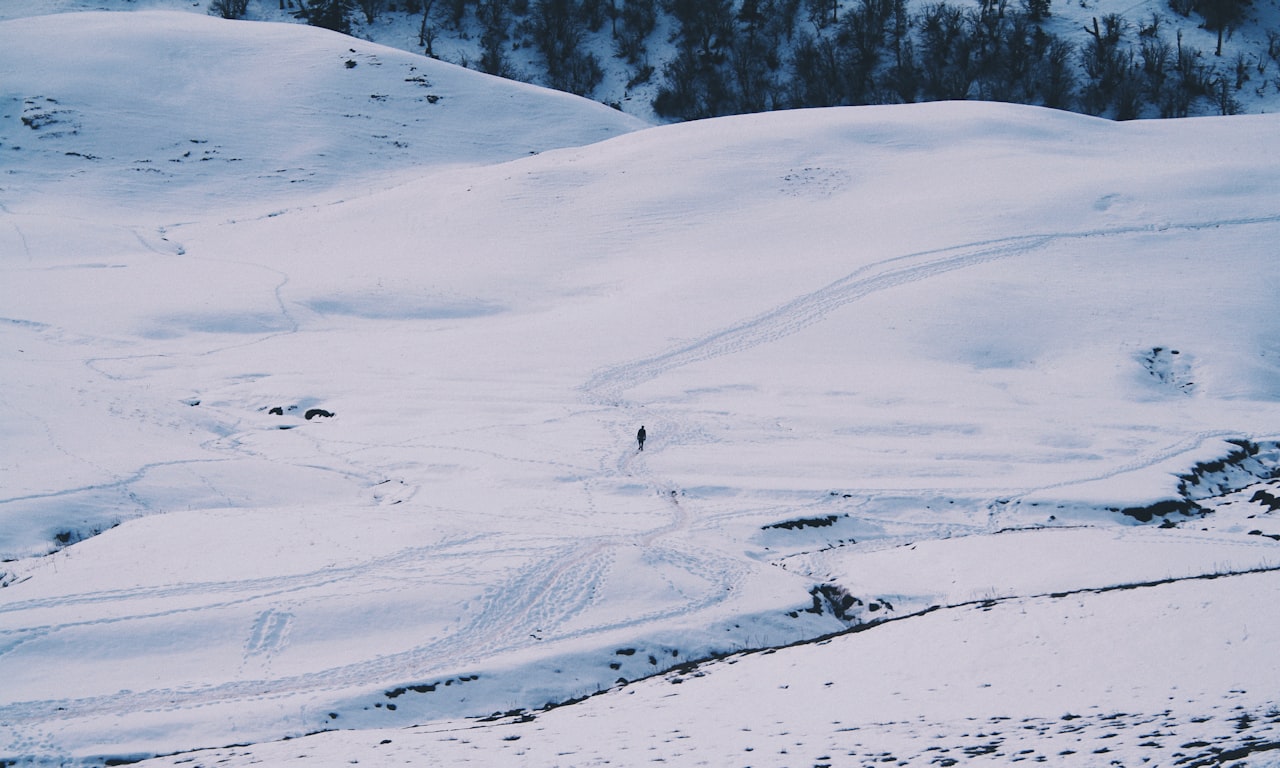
(735, 56)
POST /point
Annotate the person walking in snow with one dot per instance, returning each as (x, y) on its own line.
(640, 437)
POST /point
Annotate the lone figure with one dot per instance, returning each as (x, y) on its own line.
(640, 438)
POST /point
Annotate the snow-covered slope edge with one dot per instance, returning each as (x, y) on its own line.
(180, 111)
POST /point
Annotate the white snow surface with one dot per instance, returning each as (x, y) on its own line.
(918, 356)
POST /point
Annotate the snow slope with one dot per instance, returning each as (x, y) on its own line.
(157, 108)
(904, 363)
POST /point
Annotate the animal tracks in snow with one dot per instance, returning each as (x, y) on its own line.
(268, 636)
(270, 632)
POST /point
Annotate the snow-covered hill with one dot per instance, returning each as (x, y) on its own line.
(320, 398)
(181, 110)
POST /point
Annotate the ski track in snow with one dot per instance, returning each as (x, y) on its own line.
(608, 385)
(516, 614)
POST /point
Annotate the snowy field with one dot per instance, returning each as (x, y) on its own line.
(321, 383)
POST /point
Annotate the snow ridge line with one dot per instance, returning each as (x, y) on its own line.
(691, 665)
(991, 602)
(607, 385)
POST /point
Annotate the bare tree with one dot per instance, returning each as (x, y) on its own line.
(371, 8)
(229, 9)
(495, 22)
(639, 17)
(1221, 14)
(822, 12)
(427, 29)
(329, 14)
(703, 24)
